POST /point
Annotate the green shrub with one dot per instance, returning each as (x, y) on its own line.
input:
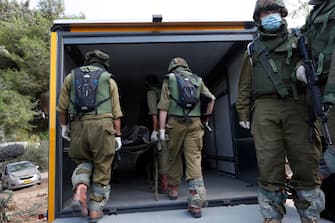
(5, 198)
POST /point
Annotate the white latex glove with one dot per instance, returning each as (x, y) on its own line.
(288, 170)
(118, 143)
(154, 136)
(162, 135)
(66, 132)
(245, 124)
(301, 74)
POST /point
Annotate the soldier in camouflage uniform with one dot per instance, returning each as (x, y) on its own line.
(185, 136)
(95, 136)
(152, 85)
(270, 86)
(320, 34)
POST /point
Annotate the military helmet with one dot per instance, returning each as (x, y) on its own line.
(97, 56)
(177, 62)
(316, 2)
(269, 5)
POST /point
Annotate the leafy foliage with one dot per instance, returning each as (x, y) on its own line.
(15, 111)
(24, 61)
(5, 198)
(51, 9)
(298, 11)
(302, 8)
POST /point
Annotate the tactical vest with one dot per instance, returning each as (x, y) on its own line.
(174, 108)
(276, 78)
(103, 92)
(320, 27)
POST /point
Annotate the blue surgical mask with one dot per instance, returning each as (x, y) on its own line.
(271, 22)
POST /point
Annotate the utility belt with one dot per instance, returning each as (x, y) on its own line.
(74, 118)
(183, 119)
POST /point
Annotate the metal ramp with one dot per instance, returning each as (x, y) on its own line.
(134, 193)
(229, 214)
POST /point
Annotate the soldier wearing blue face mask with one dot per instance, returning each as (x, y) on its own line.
(271, 22)
(270, 86)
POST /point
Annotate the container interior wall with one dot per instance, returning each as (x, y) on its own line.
(244, 150)
(230, 147)
(68, 165)
(218, 63)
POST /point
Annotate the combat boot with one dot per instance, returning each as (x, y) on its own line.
(173, 192)
(78, 203)
(194, 209)
(271, 220)
(95, 216)
(163, 184)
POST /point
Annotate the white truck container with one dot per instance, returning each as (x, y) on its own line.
(213, 50)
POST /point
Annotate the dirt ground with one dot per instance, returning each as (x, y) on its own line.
(28, 203)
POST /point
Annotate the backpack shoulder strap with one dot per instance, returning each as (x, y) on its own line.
(197, 78)
(73, 83)
(167, 76)
(250, 48)
(99, 73)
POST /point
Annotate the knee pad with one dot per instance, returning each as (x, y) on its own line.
(82, 174)
(310, 203)
(271, 203)
(99, 197)
(198, 186)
